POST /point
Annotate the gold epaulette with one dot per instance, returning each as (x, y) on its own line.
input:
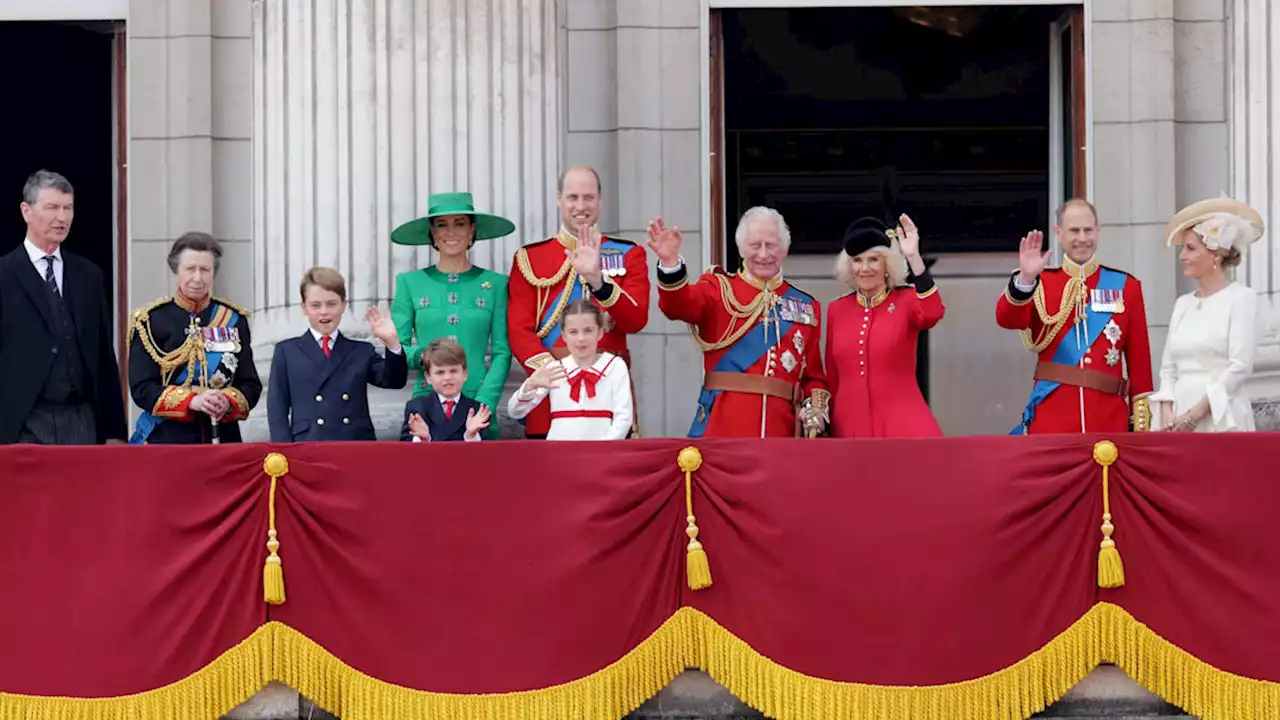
(142, 314)
(244, 312)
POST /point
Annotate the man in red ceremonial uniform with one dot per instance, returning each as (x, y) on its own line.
(759, 334)
(1082, 320)
(578, 262)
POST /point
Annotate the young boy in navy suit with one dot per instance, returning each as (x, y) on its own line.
(319, 381)
(445, 414)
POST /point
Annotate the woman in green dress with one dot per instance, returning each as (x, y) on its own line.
(453, 298)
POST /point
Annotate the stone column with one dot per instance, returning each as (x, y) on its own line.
(1135, 186)
(189, 123)
(1254, 36)
(633, 89)
(364, 107)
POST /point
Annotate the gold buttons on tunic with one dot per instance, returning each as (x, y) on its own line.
(1088, 361)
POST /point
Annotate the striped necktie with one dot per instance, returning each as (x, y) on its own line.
(49, 278)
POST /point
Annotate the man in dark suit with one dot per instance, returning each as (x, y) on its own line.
(319, 381)
(58, 372)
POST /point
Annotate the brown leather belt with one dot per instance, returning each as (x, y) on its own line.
(753, 384)
(1082, 377)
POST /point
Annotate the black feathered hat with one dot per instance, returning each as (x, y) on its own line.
(866, 233)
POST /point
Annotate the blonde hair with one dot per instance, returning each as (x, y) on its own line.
(895, 265)
(324, 278)
(586, 307)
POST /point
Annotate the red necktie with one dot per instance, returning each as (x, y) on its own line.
(324, 345)
(584, 377)
(448, 409)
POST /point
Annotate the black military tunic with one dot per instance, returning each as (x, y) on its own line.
(176, 351)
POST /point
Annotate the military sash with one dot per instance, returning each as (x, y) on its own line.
(744, 353)
(209, 344)
(612, 263)
(1071, 350)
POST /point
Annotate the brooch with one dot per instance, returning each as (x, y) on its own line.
(486, 284)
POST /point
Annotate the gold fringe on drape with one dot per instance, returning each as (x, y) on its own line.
(1107, 633)
(234, 677)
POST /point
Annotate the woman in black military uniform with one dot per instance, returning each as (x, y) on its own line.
(190, 356)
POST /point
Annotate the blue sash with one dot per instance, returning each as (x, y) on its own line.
(744, 353)
(148, 422)
(575, 293)
(1070, 350)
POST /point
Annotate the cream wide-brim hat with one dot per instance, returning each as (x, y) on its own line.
(1227, 224)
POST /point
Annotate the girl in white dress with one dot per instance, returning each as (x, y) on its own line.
(1213, 333)
(590, 390)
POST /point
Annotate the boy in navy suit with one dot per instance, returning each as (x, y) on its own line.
(319, 381)
(445, 414)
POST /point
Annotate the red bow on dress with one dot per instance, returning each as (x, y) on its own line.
(584, 377)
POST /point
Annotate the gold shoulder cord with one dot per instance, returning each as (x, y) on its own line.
(544, 285)
(1053, 324)
(188, 354)
(747, 314)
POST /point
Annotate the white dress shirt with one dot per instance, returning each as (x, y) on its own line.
(333, 338)
(37, 259)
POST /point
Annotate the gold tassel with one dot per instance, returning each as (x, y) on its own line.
(273, 572)
(697, 566)
(1110, 567)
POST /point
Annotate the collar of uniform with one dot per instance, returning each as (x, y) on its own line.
(191, 306)
(1075, 269)
(772, 283)
(874, 300)
(569, 240)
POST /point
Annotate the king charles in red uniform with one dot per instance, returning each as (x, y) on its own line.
(548, 275)
(759, 334)
(1087, 323)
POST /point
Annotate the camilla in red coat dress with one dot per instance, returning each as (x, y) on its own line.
(872, 334)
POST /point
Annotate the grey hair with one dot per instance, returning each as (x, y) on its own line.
(41, 180)
(895, 264)
(1075, 202)
(760, 212)
(196, 242)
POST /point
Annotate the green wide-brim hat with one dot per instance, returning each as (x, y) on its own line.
(418, 232)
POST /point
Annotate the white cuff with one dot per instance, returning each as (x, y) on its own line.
(416, 439)
(477, 438)
(669, 270)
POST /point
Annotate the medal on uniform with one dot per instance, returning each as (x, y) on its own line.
(788, 361)
(1112, 332)
(1108, 301)
(798, 341)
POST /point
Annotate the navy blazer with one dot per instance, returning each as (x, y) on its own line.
(429, 407)
(312, 397)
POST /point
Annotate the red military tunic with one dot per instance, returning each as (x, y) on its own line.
(789, 365)
(871, 362)
(1047, 319)
(540, 277)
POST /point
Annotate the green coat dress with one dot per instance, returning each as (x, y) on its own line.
(469, 307)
